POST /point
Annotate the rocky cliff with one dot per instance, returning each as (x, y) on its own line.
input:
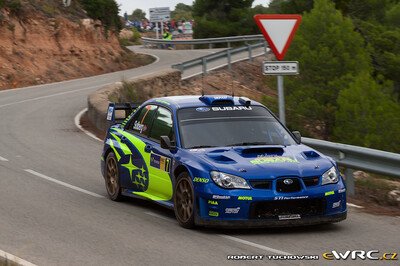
(44, 42)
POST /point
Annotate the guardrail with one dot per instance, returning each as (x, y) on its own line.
(358, 158)
(210, 41)
(228, 53)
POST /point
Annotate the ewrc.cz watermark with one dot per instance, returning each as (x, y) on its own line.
(272, 257)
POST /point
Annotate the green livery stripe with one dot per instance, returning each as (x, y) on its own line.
(125, 149)
(160, 185)
(111, 143)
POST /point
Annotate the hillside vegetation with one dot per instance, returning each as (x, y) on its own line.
(43, 41)
(348, 89)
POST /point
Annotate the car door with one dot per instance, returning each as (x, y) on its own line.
(133, 166)
(160, 159)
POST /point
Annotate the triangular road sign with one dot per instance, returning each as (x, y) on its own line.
(278, 30)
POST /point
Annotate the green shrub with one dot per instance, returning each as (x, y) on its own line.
(15, 7)
(104, 10)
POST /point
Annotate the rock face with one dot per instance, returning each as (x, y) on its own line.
(36, 48)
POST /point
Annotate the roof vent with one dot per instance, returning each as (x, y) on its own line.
(217, 100)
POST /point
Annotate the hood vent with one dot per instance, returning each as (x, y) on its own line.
(310, 155)
(221, 158)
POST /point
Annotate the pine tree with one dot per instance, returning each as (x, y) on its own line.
(330, 54)
(367, 116)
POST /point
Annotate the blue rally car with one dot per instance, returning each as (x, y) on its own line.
(219, 161)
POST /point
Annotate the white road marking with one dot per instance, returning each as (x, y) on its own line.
(265, 248)
(53, 95)
(63, 183)
(3, 159)
(14, 259)
(77, 120)
(355, 206)
(241, 241)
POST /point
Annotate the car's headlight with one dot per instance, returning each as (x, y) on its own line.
(228, 181)
(330, 177)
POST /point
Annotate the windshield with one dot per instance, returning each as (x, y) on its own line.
(230, 126)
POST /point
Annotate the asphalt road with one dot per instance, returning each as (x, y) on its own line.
(54, 210)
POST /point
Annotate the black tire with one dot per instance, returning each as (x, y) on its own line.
(112, 178)
(184, 201)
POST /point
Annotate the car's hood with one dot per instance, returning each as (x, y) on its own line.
(266, 162)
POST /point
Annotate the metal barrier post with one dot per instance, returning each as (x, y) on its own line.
(229, 60)
(192, 46)
(204, 60)
(210, 46)
(349, 181)
(265, 47)
(250, 53)
(229, 44)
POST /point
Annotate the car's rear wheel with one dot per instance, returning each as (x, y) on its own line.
(184, 201)
(112, 178)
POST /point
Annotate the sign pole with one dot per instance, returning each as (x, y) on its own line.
(156, 30)
(281, 96)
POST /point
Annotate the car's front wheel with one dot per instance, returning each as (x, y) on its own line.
(184, 201)
(112, 178)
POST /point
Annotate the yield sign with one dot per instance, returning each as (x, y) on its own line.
(278, 30)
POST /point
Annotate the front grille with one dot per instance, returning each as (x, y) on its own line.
(311, 181)
(272, 209)
(261, 184)
(293, 186)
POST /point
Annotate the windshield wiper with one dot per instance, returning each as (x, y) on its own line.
(248, 143)
(201, 146)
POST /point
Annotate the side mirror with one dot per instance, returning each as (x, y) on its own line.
(297, 135)
(166, 143)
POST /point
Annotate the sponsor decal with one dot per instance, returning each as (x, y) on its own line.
(289, 217)
(212, 202)
(160, 162)
(110, 113)
(336, 204)
(245, 198)
(291, 198)
(273, 159)
(213, 213)
(202, 109)
(330, 193)
(342, 190)
(232, 210)
(220, 197)
(232, 108)
(139, 127)
(360, 254)
(200, 180)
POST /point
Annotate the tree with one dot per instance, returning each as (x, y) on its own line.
(138, 14)
(330, 53)
(367, 116)
(104, 10)
(223, 18)
(182, 11)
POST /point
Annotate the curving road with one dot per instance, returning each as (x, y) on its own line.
(54, 210)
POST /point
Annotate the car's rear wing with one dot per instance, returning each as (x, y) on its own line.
(118, 112)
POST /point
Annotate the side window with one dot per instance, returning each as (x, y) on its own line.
(142, 120)
(162, 125)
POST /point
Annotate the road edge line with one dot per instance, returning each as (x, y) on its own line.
(355, 206)
(10, 257)
(77, 121)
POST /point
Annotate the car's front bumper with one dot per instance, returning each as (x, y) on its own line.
(262, 223)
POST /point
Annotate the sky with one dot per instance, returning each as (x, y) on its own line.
(130, 5)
